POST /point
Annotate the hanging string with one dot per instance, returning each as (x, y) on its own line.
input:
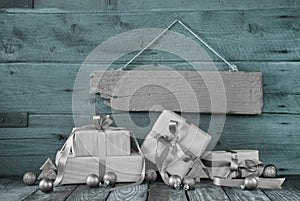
(232, 67)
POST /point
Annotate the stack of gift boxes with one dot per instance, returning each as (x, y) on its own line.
(173, 147)
(96, 150)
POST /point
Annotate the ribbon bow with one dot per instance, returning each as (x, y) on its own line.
(102, 123)
(172, 150)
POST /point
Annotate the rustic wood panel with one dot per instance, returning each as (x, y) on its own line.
(136, 193)
(236, 194)
(84, 192)
(188, 5)
(72, 5)
(275, 135)
(16, 4)
(160, 191)
(185, 91)
(13, 119)
(14, 189)
(47, 88)
(206, 190)
(294, 180)
(58, 193)
(254, 35)
(287, 193)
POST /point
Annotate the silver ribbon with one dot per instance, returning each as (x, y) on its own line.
(101, 124)
(172, 150)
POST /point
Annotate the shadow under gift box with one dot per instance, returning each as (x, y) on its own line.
(189, 136)
(127, 168)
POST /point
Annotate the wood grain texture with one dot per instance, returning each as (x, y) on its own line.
(294, 180)
(16, 4)
(47, 88)
(188, 5)
(13, 119)
(14, 189)
(206, 190)
(185, 91)
(287, 193)
(72, 5)
(84, 192)
(236, 194)
(58, 193)
(136, 193)
(160, 191)
(254, 35)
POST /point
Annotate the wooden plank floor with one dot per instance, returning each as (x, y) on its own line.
(13, 189)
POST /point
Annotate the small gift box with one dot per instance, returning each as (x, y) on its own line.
(232, 164)
(173, 144)
(127, 168)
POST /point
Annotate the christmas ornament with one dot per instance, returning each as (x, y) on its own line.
(250, 183)
(92, 181)
(270, 171)
(189, 183)
(175, 182)
(46, 185)
(48, 170)
(29, 178)
(150, 175)
(109, 179)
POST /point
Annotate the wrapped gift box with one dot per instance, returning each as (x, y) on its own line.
(127, 168)
(189, 138)
(218, 163)
(89, 141)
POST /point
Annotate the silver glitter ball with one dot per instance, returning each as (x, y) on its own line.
(109, 179)
(29, 178)
(92, 181)
(150, 175)
(270, 171)
(46, 185)
(189, 183)
(175, 181)
(250, 183)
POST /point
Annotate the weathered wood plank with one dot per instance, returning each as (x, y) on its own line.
(16, 4)
(206, 190)
(13, 119)
(136, 193)
(72, 5)
(287, 193)
(47, 88)
(84, 192)
(58, 193)
(14, 189)
(237, 35)
(294, 180)
(184, 91)
(237, 194)
(188, 5)
(160, 191)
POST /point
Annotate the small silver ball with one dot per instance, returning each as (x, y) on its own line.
(189, 183)
(46, 185)
(150, 175)
(110, 178)
(92, 181)
(175, 181)
(29, 178)
(250, 183)
(270, 171)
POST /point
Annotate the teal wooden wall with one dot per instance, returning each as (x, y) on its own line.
(41, 50)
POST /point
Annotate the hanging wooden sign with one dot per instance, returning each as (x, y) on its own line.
(184, 91)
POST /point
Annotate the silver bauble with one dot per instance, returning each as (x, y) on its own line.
(150, 175)
(92, 181)
(250, 183)
(175, 181)
(109, 179)
(29, 178)
(270, 171)
(189, 183)
(46, 185)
